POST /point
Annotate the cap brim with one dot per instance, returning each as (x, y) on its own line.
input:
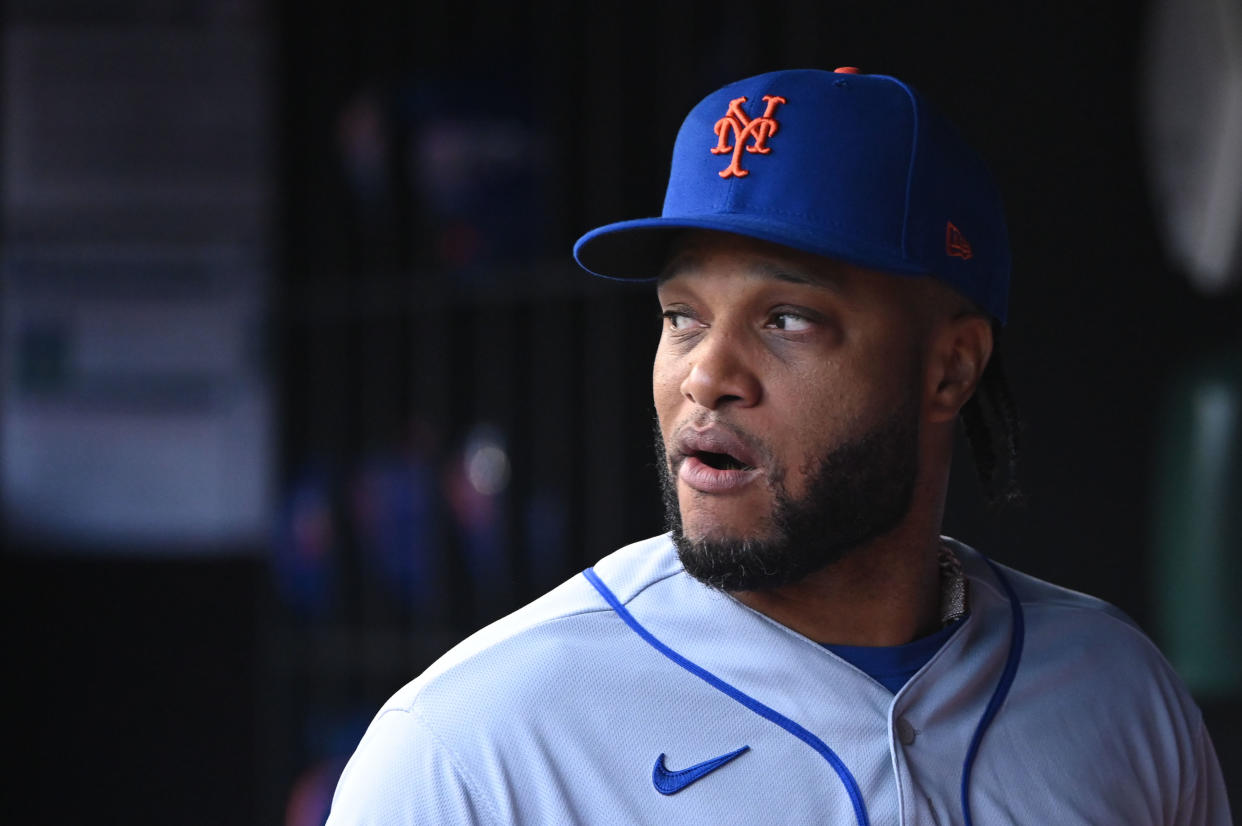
(639, 249)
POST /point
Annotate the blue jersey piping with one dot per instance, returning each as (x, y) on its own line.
(1016, 640)
(769, 714)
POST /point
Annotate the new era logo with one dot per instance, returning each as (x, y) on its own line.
(955, 243)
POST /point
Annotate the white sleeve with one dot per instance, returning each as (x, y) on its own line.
(401, 773)
(1205, 802)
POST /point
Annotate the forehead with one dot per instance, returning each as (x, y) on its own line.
(703, 252)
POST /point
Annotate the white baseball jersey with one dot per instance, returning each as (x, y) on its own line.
(635, 694)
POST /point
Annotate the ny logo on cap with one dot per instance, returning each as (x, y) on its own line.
(744, 128)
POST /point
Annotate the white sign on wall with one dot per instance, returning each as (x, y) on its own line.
(135, 197)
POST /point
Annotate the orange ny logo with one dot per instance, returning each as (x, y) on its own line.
(742, 129)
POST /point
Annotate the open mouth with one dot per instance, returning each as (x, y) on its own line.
(721, 461)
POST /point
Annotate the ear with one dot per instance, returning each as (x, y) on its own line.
(960, 349)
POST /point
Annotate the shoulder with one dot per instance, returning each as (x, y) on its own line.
(1094, 700)
(527, 643)
(1088, 654)
(1052, 610)
(502, 704)
(1076, 647)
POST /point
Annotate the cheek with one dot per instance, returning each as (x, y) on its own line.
(829, 404)
(665, 385)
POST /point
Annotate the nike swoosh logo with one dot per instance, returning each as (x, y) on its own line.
(669, 782)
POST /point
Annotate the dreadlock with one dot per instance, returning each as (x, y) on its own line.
(991, 423)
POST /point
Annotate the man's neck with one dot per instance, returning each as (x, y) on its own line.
(886, 593)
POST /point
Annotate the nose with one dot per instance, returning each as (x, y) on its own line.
(721, 375)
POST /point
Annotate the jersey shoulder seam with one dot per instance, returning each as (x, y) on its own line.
(473, 655)
(602, 608)
(1196, 767)
(650, 583)
(472, 788)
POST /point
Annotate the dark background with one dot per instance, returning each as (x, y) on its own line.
(195, 690)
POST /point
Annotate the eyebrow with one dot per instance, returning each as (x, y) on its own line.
(774, 271)
(675, 265)
(795, 277)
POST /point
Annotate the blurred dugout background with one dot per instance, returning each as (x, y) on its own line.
(301, 385)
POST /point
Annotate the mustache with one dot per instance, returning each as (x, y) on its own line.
(673, 457)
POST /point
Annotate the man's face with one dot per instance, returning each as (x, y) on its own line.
(787, 400)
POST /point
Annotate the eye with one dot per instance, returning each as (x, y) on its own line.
(678, 320)
(791, 322)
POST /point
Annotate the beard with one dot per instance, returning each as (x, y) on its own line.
(856, 492)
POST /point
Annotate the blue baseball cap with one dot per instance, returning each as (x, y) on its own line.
(846, 165)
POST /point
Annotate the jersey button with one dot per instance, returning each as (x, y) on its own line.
(905, 731)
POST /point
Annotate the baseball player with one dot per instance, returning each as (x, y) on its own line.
(803, 646)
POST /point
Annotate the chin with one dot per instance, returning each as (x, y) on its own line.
(728, 523)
